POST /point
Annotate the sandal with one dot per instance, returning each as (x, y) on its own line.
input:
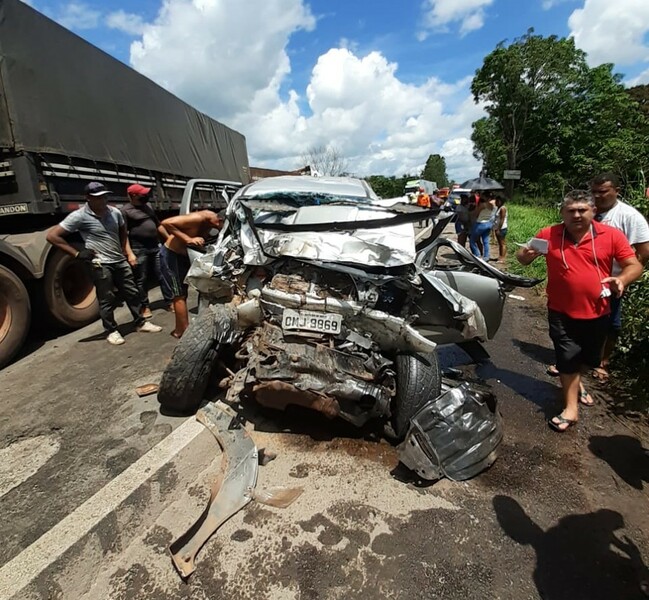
(552, 371)
(583, 397)
(600, 374)
(561, 420)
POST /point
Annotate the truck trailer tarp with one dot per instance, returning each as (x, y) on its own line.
(61, 95)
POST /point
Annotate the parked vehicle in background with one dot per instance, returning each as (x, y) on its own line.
(453, 198)
(414, 186)
(70, 114)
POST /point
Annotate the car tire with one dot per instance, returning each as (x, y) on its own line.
(419, 379)
(187, 375)
(69, 292)
(15, 314)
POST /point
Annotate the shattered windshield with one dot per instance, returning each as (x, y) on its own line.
(300, 199)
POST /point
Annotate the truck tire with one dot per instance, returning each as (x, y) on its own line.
(419, 379)
(69, 293)
(15, 315)
(185, 379)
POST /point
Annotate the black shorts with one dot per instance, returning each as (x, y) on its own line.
(173, 270)
(577, 342)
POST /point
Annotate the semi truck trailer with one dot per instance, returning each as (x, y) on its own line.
(71, 114)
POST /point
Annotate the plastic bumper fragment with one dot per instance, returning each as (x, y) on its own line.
(456, 435)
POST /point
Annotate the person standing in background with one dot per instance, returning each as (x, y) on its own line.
(145, 232)
(106, 249)
(423, 199)
(481, 229)
(463, 221)
(615, 213)
(500, 228)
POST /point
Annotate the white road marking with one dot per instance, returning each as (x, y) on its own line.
(20, 460)
(24, 568)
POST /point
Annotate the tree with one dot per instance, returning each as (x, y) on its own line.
(553, 117)
(435, 170)
(521, 84)
(640, 94)
(388, 187)
(326, 160)
(489, 148)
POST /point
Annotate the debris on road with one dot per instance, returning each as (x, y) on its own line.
(456, 435)
(515, 297)
(147, 389)
(234, 487)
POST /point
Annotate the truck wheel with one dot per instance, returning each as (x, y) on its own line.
(419, 379)
(15, 314)
(69, 293)
(185, 379)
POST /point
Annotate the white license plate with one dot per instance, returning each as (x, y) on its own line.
(304, 320)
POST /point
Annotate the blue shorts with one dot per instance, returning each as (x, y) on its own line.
(173, 270)
(502, 234)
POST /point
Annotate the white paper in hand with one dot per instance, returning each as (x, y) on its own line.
(539, 245)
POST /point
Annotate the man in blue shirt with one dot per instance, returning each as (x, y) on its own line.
(104, 234)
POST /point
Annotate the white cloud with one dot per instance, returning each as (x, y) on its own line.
(612, 31)
(356, 103)
(220, 53)
(439, 14)
(77, 15)
(641, 79)
(548, 4)
(127, 22)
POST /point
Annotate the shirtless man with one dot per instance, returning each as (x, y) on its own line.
(184, 230)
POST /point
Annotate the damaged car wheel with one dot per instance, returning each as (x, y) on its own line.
(419, 380)
(185, 379)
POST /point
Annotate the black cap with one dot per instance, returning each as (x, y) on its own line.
(96, 189)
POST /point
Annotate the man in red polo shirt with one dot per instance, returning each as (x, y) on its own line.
(579, 259)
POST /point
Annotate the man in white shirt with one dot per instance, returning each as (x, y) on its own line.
(614, 212)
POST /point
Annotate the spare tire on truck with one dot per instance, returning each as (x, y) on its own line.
(69, 292)
(15, 314)
(419, 379)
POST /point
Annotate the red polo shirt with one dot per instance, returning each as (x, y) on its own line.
(574, 279)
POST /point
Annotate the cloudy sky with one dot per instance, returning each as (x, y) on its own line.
(384, 81)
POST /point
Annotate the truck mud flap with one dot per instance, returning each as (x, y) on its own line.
(233, 488)
(456, 435)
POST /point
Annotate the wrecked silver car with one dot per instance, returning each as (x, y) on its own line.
(316, 293)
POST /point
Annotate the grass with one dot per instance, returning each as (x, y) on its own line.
(525, 221)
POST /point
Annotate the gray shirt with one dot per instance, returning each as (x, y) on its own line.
(99, 234)
(630, 222)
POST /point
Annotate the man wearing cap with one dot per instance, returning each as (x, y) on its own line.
(144, 236)
(106, 248)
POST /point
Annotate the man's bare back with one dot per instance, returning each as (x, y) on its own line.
(190, 230)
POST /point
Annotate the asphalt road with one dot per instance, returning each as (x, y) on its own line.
(557, 516)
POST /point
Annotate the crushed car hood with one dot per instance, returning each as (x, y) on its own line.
(388, 246)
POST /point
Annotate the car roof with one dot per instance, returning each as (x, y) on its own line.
(339, 186)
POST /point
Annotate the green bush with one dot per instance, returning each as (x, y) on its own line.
(630, 362)
(525, 221)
